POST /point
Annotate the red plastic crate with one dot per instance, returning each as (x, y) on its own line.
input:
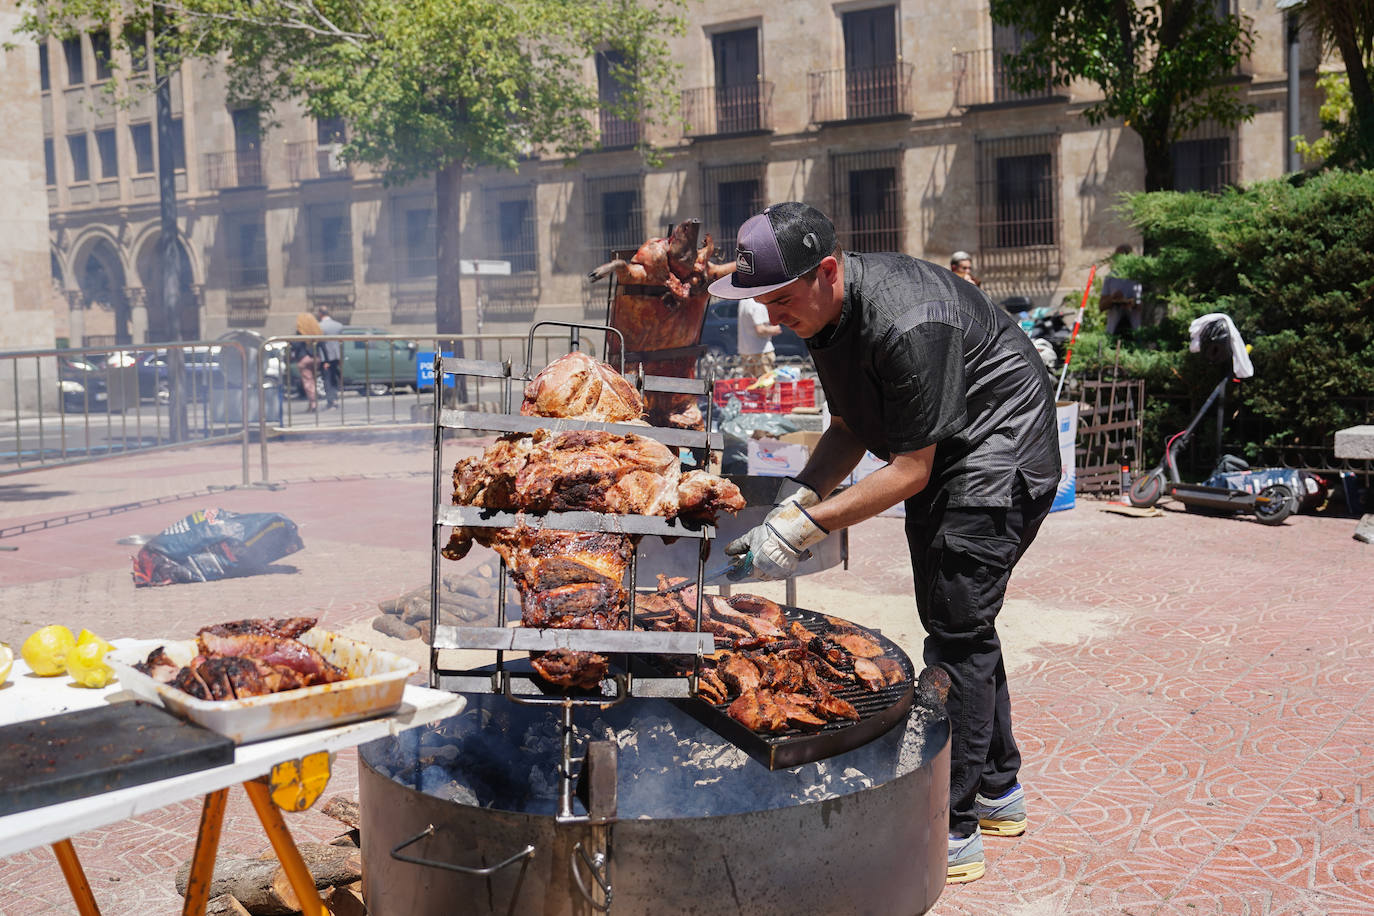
(780, 397)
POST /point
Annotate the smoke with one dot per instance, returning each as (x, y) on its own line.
(505, 756)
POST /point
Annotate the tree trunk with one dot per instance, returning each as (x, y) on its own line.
(169, 259)
(1361, 94)
(1159, 166)
(448, 294)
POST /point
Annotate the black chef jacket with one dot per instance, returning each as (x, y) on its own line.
(921, 357)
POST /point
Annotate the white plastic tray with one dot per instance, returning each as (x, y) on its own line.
(376, 680)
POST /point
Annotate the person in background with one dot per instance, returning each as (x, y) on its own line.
(331, 354)
(929, 375)
(755, 339)
(303, 355)
(1121, 298)
(961, 263)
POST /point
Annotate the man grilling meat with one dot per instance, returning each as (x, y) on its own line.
(925, 372)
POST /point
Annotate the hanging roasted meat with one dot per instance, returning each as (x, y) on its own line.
(574, 580)
(676, 262)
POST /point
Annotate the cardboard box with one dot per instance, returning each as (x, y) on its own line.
(1066, 415)
(768, 457)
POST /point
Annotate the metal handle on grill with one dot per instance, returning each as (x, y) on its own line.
(595, 865)
(487, 872)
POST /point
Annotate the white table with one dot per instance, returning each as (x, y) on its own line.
(26, 697)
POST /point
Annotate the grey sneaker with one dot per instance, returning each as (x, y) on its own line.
(965, 859)
(1005, 816)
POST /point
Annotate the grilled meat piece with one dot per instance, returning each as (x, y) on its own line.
(577, 385)
(187, 681)
(312, 667)
(832, 707)
(860, 646)
(757, 624)
(780, 674)
(283, 627)
(869, 674)
(711, 688)
(567, 668)
(738, 671)
(797, 631)
(701, 495)
(891, 669)
(799, 710)
(158, 666)
(756, 710)
(759, 606)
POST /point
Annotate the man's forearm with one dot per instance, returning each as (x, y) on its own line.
(906, 475)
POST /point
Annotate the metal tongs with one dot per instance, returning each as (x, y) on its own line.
(735, 569)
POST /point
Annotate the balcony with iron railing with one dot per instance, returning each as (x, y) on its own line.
(308, 160)
(618, 132)
(723, 111)
(981, 78)
(861, 93)
(233, 169)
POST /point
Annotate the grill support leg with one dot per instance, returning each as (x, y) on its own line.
(203, 861)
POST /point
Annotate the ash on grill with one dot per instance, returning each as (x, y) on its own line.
(505, 757)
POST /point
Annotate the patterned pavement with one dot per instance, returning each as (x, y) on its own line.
(1194, 696)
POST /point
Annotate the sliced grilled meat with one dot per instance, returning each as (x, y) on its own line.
(798, 709)
(739, 672)
(274, 650)
(188, 681)
(891, 669)
(832, 707)
(711, 688)
(567, 668)
(859, 646)
(158, 666)
(755, 709)
(759, 607)
(869, 674)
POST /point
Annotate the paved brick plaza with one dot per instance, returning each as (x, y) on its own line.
(1194, 696)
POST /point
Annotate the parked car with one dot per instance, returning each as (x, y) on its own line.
(201, 370)
(377, 366)
(720, 337)
(82, 385)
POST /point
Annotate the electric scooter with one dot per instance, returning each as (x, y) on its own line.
(1270, 506)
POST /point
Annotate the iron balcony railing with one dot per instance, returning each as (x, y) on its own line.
(618, 132)
(233, 169)
(861, 93)
(718, 111)
(308, 160)
(981, 78)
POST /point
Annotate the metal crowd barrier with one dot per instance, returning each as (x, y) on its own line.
(384, 381)
(84, 404)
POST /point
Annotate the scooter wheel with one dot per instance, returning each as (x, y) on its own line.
(1146, 490)
(1274, 504)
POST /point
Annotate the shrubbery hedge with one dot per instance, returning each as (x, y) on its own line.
(1292, 263)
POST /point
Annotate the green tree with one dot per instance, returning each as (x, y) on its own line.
(425, 86)
(1347, 26)
(1162, 66)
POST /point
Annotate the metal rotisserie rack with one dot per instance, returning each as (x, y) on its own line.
(657, 801)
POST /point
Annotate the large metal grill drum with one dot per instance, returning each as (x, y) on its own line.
(700, 826)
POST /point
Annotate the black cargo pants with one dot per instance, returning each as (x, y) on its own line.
(962, 558)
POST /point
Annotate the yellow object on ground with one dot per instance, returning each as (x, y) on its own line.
(46, 650)
(763, 381)
(86, 664)
(297, 784)
(6, 662)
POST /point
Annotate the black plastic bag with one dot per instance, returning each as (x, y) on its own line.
(215, 544)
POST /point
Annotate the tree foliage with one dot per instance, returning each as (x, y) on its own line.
(1347, 26)
(425, 86)
(1162, 66)
(1293, 265)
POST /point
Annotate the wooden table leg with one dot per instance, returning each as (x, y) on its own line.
(203, 862)
(285, 847)
(76, 878)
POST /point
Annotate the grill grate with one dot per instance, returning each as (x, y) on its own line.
(878, 710)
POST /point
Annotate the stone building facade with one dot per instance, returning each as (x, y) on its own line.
(895, 121)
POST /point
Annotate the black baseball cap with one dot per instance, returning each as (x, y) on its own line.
(776, 247)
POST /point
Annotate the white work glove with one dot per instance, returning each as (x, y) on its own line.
(773, 549)
(793, 491)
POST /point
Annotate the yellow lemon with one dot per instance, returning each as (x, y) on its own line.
(86, 665)
(86, 636)
(46, 650)
(6, 661)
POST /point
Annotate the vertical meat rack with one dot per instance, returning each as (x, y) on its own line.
(515, 683)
